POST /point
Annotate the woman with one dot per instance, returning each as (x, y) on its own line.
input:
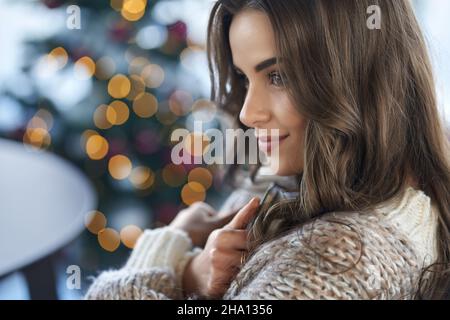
(360, 132)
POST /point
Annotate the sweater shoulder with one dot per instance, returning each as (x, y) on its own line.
(337, 256)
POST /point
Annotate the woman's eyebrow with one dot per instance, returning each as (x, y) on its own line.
(261, 66)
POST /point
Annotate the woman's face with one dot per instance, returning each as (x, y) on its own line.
(267, 105)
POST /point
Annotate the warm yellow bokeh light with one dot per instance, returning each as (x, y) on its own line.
(37, 137)
(133, 10)
(117, 113)
(84, 68)
(174, 175)
(85, 136)
(129, 235)
(97, 147)
(95, 221)
(146, 105)
(153, 76)
(119, 86)
(142, 178)
(202, 176)
(109, 239)
(119, 167)
(58, 56)
(193, 192)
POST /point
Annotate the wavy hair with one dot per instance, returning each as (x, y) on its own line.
(369, 98)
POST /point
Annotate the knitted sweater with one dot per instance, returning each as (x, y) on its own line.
(337, 256)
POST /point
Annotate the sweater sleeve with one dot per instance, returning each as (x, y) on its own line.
(330, 260)
(154, 271)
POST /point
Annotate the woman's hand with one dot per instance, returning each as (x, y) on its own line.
(199, 220)
(210, 273)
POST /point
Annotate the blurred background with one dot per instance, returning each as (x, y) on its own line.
(101, 95)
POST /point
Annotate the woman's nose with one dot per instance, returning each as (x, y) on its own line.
(255, 110)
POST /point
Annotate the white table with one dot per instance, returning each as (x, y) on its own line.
(43, 200)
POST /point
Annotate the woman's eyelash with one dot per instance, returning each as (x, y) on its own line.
(274, 77)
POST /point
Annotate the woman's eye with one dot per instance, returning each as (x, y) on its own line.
(276, 79)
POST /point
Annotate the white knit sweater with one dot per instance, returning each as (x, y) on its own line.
(338, 256)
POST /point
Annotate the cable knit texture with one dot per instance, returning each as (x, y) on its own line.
(347, 255)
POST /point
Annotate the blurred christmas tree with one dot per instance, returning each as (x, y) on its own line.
(107, 97)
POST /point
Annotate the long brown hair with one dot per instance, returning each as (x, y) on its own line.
(369, 97)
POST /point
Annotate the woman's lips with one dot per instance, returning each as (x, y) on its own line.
(267, 143)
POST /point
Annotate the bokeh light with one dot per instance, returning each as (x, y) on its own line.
(137, 87)
(153, 76)
(202, 176)
(151, 37)
(100, 119)
(45, 116)
(129, 235)
(117, 112)
(193, 192)
(119, 167)
(38, 138)
(95, 221)
(146, 105)
(137, 65)
(58, 56)
(116, 4)
(96, 147)
(166, 117)
(119, 86)
(180, 102)
(84, 68)
(174, 175)
(142, 177)
(133, 10)
(109, 239)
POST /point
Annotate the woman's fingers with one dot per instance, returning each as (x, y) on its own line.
(226, 261)
(244, 215)
(230, 239)
(206, 208)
